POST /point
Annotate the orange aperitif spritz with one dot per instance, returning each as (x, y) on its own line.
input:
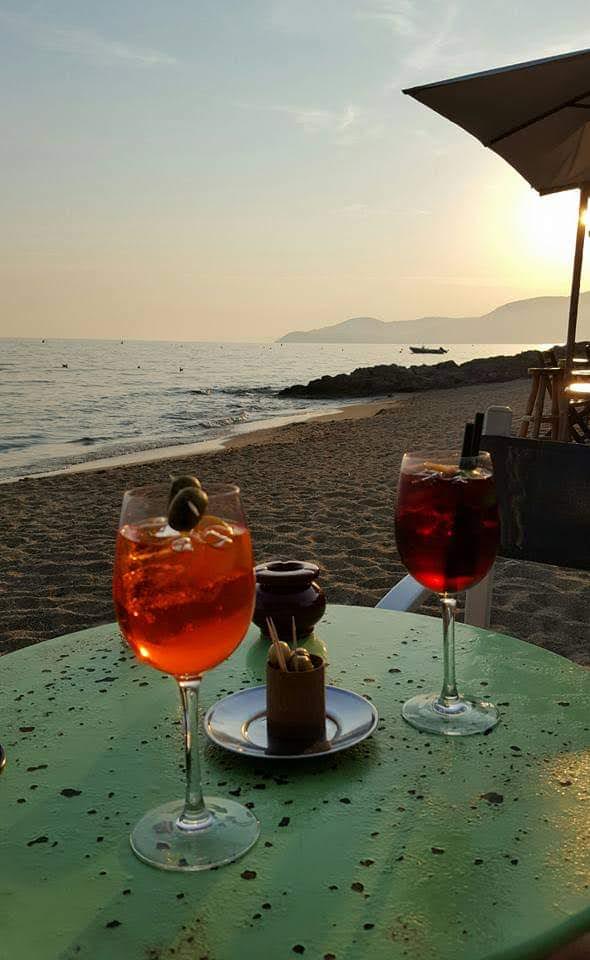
(183, 589)
(184, 603)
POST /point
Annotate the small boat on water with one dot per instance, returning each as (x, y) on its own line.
(428, 350)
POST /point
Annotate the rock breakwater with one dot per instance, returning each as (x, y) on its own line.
(392, 378)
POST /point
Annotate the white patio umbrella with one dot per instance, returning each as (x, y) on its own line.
(536, 116)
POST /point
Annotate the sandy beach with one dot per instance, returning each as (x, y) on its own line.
(323, 490)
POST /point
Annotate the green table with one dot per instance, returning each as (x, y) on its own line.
(408, 845)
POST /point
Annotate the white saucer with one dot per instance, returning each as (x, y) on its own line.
(238, 724)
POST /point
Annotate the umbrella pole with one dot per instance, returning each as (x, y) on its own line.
(573, 312)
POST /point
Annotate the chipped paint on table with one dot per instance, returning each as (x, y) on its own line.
(406, 846)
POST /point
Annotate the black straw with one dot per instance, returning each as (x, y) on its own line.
(477, 432)
(467, 444)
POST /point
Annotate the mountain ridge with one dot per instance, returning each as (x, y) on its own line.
(531, 320)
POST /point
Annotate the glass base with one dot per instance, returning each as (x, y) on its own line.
(229, 832)
(461, 718)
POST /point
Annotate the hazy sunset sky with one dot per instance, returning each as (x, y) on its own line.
(234, 169)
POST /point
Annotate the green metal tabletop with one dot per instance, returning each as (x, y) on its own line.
(407, 845)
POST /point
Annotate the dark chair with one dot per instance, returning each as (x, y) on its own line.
(544, 498)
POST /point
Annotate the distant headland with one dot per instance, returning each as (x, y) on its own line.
(536, 320)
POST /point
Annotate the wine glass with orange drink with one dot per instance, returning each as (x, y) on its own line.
(184, 594)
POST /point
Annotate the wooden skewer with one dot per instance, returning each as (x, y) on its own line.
(277, 644)
(294, 633)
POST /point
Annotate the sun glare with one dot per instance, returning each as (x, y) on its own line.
(548, 226)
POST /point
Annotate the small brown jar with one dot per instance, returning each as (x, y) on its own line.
(286, 590)
(295, 707)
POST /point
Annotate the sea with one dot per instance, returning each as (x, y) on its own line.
(65, 403)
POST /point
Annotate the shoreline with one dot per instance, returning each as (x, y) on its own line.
(239, 438)
(55, 458)
(322, 490)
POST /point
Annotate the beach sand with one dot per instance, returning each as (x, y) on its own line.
(323, 490)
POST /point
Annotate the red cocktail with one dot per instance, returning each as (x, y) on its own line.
(446, 524)
(447, 533)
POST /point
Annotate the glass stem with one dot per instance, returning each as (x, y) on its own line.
(449, 695)
(195, 815)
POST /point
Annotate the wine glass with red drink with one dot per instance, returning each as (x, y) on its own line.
(447, 532)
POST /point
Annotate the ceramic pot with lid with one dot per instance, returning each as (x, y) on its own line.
(287, 589)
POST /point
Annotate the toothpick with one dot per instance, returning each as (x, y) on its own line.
(294, 633)
(277, 644)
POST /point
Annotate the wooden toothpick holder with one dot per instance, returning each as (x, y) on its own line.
(296, 707)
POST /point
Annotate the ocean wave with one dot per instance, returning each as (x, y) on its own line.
(222, 421)
(180, 416)
(22, 441)
(249, 391)
(27, 383)
(239, 391)
(89, 441)
(5, 446)
(194, 391)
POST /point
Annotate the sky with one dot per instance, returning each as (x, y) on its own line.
(235, 169)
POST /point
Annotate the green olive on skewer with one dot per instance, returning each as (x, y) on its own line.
(187, 505)
(273, 657)
(180, 483)
(299, 662)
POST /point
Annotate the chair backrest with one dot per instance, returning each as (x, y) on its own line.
(548, 357)
(544, 496)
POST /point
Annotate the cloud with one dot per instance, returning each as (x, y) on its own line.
(432, 47)
(84, 43)
(364, 211)
(424, 31)
(399, 15)
(349, 117)
(345, 126)
(429, 144)
(314, 120)
(300, 16)
(455, 281)
(356, 210)
(537, 48)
